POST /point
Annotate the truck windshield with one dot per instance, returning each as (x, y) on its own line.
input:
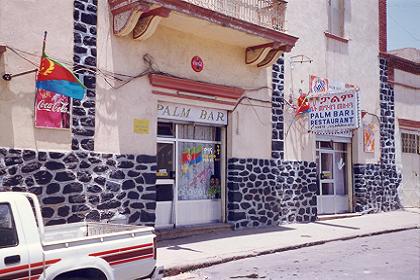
(8, 236)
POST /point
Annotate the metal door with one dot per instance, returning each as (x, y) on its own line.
(332, 178)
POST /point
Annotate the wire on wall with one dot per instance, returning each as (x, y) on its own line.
(117, 80)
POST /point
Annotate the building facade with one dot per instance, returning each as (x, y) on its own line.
(191, 111)
(404, 67)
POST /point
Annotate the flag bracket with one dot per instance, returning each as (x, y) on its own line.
(8, 76)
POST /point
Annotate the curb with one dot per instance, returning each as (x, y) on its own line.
(185, 268)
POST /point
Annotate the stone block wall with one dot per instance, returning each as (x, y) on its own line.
(254, 197)
(277, 103)
(270, 192)
(298, 183)
(84, 59)
(367, 187)
(264, 192)
(376, 184)
(77, 186)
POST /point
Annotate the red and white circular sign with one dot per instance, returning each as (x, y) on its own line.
(197, 64)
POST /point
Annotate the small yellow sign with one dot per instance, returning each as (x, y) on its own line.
(141, 126)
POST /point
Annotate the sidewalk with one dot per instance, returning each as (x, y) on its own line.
(184, 254)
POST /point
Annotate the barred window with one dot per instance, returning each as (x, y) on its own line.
(410, 143)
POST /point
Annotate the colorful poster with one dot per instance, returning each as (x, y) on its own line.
(51, 110)
(369, 137)
(199, 163)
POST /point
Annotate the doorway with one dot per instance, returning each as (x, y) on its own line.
(189, 174)
(332, 169)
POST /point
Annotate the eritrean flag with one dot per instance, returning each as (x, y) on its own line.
(196, 153)
(55, 77)
(186, 156)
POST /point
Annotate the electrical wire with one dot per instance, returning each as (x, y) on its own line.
(66, 62)
(21, 56)
(81, 69)
(405, 29)
(124, 79)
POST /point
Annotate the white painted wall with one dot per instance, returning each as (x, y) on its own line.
(22, 26)
(172, 51)
(355, 62)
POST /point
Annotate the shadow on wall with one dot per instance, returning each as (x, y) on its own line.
(337, 46)
(7, 98)
(126, 100)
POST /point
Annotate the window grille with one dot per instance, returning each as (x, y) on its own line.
(410, 143)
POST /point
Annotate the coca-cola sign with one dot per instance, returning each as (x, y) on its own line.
(51, 110)
(197, 64)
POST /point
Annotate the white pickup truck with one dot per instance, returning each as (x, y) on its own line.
(78, 251)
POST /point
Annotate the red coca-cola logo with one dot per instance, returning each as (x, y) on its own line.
(57, 107)
(197, 64)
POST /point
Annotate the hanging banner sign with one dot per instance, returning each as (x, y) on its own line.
(51, 110)
(181, 112)
(317, 85)
(334, 112)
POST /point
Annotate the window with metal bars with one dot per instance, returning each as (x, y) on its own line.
(410, 143)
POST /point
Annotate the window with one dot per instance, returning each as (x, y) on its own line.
(166, 129)
(8, 235)
(410, 143)
(165, 163)
(326, 145)
(336, 17)
(199, 166)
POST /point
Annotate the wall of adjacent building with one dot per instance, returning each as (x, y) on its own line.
(407, 99)
(407, 106)
(354, 62)
(22, 26)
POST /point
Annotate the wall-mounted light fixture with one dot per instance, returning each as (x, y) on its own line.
(8, 76)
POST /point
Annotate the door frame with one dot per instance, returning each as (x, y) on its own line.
(175, 140)
(349, 182)
(169, 140)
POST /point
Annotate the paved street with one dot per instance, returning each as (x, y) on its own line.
(387, 256)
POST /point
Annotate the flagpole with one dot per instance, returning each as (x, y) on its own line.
(44, 43)
(42, 55)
